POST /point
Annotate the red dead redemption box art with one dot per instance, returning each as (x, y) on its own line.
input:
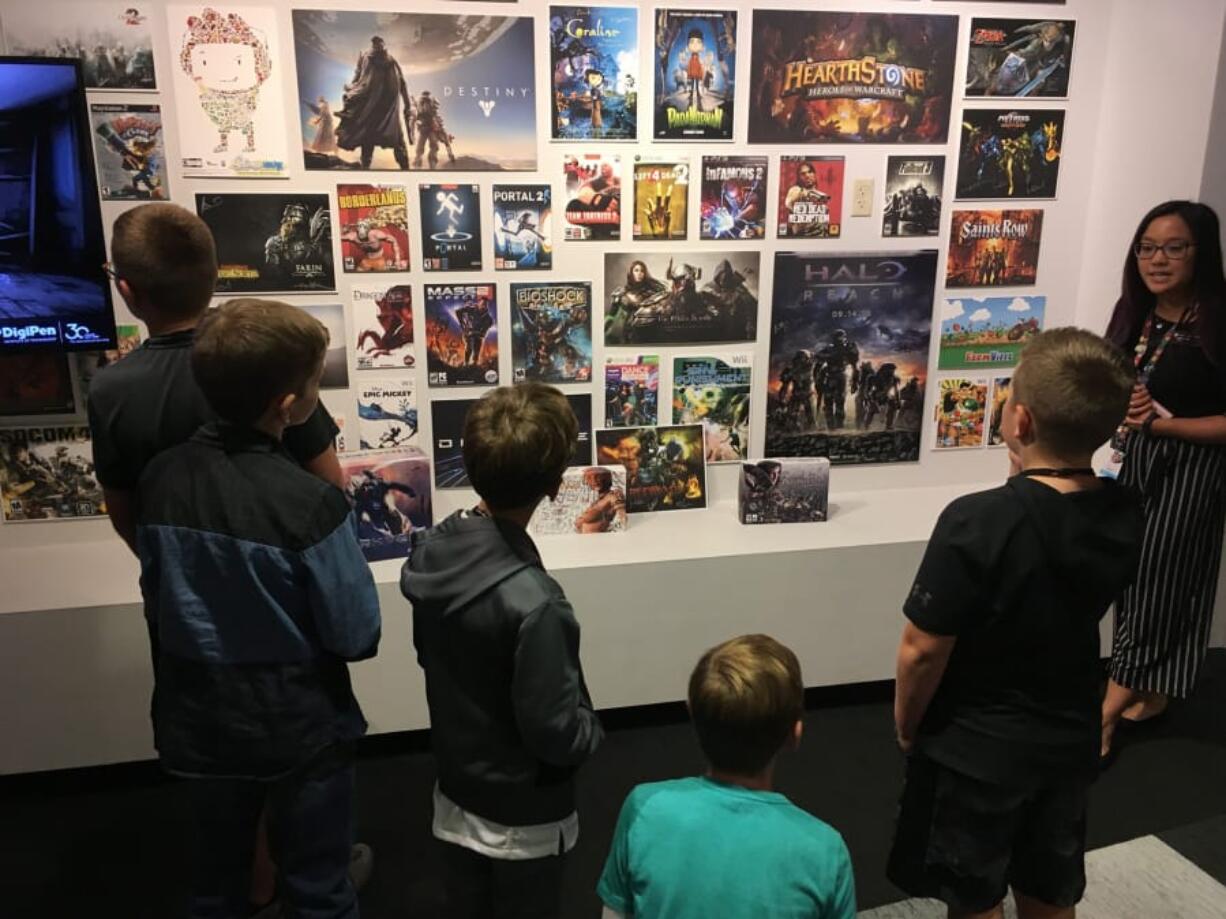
(843, 77)
(994, 248)
(374, 227)
(810, 197)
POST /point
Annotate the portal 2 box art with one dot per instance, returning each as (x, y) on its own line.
(591, 499)
(523, 227)
(390, 494)
(461, 334)
(794, 490)
(47, 473)
(450, 227)
(374, 222)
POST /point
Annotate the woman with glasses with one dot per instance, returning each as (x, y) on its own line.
(1171, 319)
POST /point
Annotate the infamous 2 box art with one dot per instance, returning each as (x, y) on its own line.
(733, 197)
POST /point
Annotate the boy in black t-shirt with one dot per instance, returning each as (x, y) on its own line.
(997, 700)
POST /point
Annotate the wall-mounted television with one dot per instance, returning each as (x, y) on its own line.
(54, 292)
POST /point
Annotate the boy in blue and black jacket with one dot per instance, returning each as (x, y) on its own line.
(256, 595)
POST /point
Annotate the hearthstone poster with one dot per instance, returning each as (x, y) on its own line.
(983, 332)
(632, 392)
(695, 57)
(994, 248)
(387, 415)
(733, 197)
(594, 57)
(450, 227)
(113, 40)
(665, 467)
(1020, 57)
(592, 499)
(47, 473)
(551, 332)
(523, 227)
(714, 392)
(810, 197)
(593, 196)
(383, 326)
(461, 334)
(661, 199)
(390, 494)
(1010, 153)
(374, 223)
(130, 152)
(849, 355)
(913, 191)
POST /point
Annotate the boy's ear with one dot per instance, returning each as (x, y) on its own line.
(798, 730)
(1023, 424)
(284, 405)
(128, 295)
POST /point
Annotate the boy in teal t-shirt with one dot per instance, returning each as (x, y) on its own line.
(725, 844)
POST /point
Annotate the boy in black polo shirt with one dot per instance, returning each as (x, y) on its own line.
(256, 595)
(997, 700)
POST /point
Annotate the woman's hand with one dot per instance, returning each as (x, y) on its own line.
(1140, 407)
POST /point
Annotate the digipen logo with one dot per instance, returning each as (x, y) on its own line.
(76, 332)
(29, 333)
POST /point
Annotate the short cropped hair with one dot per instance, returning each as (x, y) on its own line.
(1076, 385)
(248, 352)
(167, 255)
(518, 441)
(745, 696)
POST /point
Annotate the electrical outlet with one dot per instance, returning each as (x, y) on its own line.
(862, 198)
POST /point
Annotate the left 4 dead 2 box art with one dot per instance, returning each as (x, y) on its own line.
(840, 77)
(695, 56)
(420, 91)
(714, 392)
(1010, 153)
(661, 199)
(849, 355)
(390, 494)
(270, 243)
(594, 55)
(593, 196)
(810, 197)
(387, 415)
(1020, 57)
(994, 248)
(131, 154)
(374, 221)
(461, 334)
(733, 197)
(913, 191)
(450, 227)
(665, 466)
(47, 473)
(551, 332)
(383, 326)
(523, 227)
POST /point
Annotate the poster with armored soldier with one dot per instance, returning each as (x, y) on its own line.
(47, 473)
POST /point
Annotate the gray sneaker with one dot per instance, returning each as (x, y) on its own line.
(361, 863)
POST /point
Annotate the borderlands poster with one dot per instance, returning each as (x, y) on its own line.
(843, 77)
(849, 355)
(400, 91)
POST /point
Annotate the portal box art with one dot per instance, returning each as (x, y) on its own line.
(810, 197)
(695, 58)
(714, 392)
(795, 490)
(994, 248)
(420, 91)
(842, 77)
(733, 197)
(35, 383)
(982, 332)
(1010, 153)
(374, 223)
(130, 152)
(594, 56)
(849, 355)
(661, 199)
(47, 473)
(665, 467)
(461, 334)
(523, 227)
(390, 494)
(387, 415)
(913, 191)
(447, 426)
(593, 196)
(551, 332)
(383, 326)
(270, 243)
(688, 297)
(592, 499)
(632, 392)
(450, 227)
(113, 40)
(1020, 57)
(959, 413)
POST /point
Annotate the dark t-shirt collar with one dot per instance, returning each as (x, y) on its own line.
(233, 438)
(181, 339)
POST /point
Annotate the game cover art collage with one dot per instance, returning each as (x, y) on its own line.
(655, 349)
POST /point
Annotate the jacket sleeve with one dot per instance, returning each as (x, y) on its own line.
(344, 602)
(552, 707)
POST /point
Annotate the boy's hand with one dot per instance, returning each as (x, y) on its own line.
(904, 743)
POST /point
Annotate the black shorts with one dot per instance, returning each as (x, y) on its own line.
(966, 842)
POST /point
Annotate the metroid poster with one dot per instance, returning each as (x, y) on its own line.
(591, 499)
(551, 332)
(383, 326)
(47, 473)
(461, 334)
(593, 196)
(419, 91)
(374, 227)
(387, 415)
(1020, 57)
(849, 355)
(581, 405)
(1001, 387)
(130, 152)
(447, 425)
(733, 197)
(1010, 153)
(959, 413)
(523, 227)
(113, 40)
(714, 392)
(661, 199)
(794, 490)
(843, 77)
(994, 248)
(810, 197)
(913, 190)
(987, 332)
(450, 227)
(35, 383)
(390, 494)
(632, 392)
(270, 243)
(594, 56)
(695, 55)
(665, 467)
(679, 298)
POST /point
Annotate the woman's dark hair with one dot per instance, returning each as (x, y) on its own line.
(1208, 283)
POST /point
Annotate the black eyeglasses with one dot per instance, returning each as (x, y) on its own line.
(1175, 250)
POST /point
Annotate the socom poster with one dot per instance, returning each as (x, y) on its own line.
(47, 473)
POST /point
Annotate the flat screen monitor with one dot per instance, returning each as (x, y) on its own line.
(54, 292)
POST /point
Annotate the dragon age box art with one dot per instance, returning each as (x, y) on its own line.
(994, 248)
(823, 77)
(1010, 153)
(913, 191)
(810, 197)
(689, 297)
(592, 499)
(461, 334)
(387, 414)
(661, 199)
(593, 196)
(594, 56)
(665, 466)
(420, 91)
(390, 494)
(714, 392)
(382, 318)
(982, 332)
(551, 332)
(788, 490)
(450, 227)
(632, 392)
(695, 58)
(129, 150)
(270, 243)
(959, 413)
(447, 427)
(733, 197)
(374, 223)
(849, 355)
(523, 227)
(47, 473)
(1020, 57)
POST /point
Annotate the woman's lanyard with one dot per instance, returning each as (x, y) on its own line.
(1145, 369)
(1064, 472)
